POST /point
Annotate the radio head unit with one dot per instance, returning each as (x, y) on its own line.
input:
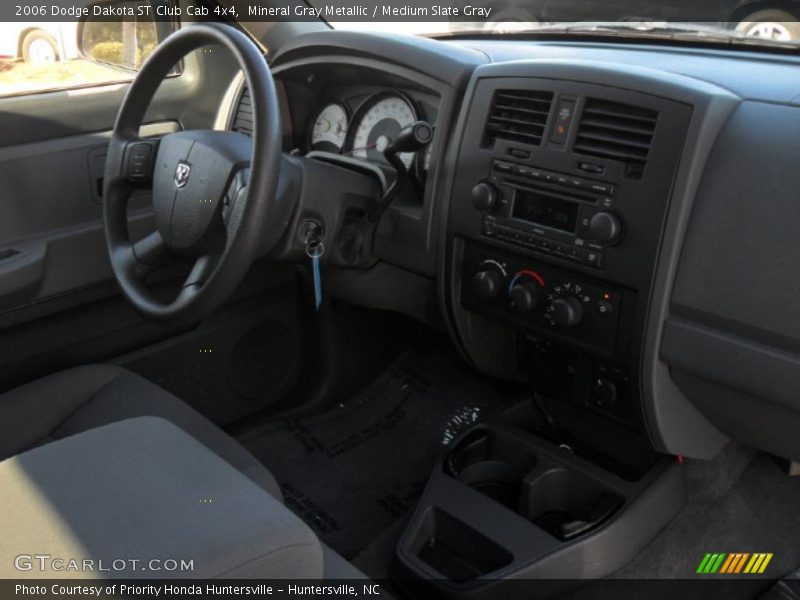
(567, 216)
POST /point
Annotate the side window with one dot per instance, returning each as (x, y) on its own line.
(39, 56)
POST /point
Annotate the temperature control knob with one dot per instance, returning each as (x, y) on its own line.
(488, 283)
(524, 296)
(605, 227)
(484, 196)
(567, 312)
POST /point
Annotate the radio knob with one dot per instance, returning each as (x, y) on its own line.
(567, 312)
(488, 283)
(524, 296)
(484, 196)
(605, 227)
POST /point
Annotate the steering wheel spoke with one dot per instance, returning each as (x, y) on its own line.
(202, 270)
(235, 197)
(139, 259)
(151, 251)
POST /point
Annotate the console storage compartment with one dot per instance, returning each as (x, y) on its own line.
(505, 504)
(455, 549)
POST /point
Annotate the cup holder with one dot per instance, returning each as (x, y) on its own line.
(498, 480)
(567, 503)
(559, 498)
(494, 465)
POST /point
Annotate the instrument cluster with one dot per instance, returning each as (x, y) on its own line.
(364, 127)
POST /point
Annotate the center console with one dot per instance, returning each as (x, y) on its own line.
(555, 224)
(557, 209)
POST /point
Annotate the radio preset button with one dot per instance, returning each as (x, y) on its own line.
(574, 253)
(521, 171)
(602, 188)
(593, 258)
(591, 168)
(517, 153)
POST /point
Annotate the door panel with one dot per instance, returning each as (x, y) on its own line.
(51, 230)
(59, 305)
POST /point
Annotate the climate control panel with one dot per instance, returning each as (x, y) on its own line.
(542, 299)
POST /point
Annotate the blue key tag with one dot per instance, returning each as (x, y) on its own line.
(315, 251)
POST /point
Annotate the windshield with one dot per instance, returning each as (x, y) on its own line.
(714, 21)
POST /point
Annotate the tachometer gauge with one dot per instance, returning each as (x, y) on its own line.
(330, 128)
(377, 122)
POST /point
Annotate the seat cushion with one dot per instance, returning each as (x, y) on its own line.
(83, 398)
(142, 490)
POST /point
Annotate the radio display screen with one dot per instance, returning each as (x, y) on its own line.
(545, 210)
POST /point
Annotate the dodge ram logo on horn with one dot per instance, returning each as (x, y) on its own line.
(182, 174)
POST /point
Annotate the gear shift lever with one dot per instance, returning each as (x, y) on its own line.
(412, 138)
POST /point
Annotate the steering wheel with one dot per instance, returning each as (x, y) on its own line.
(214, 193)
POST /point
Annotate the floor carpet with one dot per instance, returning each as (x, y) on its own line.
(354, 470)
(742, 501)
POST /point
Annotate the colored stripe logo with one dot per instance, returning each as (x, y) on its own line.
(734, 563)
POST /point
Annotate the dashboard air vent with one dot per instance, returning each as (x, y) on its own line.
(518, 116)
(243, 119)
(618, 132)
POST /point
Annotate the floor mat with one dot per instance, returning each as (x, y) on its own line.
(354, 470)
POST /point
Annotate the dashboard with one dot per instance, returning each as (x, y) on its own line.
(575, 224)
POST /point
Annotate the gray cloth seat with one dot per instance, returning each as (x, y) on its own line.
(142, 490)
(83, 398)
(99, 462)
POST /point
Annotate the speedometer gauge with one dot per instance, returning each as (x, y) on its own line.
(377, 123)
(330, 128)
